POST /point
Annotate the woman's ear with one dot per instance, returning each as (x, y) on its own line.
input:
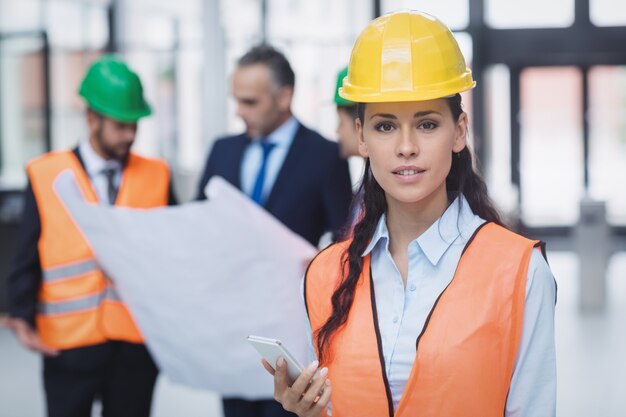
(460, 135)
(359, 132)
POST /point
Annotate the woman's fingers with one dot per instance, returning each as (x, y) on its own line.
(268, 367)
(281, 384)
(300, 385)
(315, 389)
(322, 402)
(308, 395)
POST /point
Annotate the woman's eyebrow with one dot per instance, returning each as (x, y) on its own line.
(425, 113)
(385, 115)
(394, 117)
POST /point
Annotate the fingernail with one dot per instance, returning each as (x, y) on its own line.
(280, 362)
(327, 382)
(313, 366)
(324, 372)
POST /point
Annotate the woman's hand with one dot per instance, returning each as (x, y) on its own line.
(309, 394)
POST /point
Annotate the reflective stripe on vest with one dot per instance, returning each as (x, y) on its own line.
(466, 352)
(80, 304)
(77, 305)
(69, 271)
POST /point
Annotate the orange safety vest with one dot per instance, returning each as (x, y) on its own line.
(78, 305)
(466, 352)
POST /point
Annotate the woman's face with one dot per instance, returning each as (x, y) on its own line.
(410, 146)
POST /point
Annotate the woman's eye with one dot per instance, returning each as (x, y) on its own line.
(428, 125)
(384, 127)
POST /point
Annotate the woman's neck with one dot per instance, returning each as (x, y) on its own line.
(406, 222)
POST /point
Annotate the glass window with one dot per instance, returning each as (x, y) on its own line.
(498, 137)
(241, 27)
(21, 108)
(20, 15)
(551, 164)
(607, 139)
(68, 109)
(63, 20)
(162, 41)
(241, 31)
(78, 32)
(607, 12)
(75, 24)
(454, 13)
(96, 27)
(318, 45)
(529, 14)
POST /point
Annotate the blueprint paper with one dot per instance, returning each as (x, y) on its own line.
(199, 278)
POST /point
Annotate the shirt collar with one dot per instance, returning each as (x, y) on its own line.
(94, 163)
(457, 220)
(283, 136)
(380, 234)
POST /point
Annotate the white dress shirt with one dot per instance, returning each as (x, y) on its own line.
(253, 156)
(433, 258)
(96, 166)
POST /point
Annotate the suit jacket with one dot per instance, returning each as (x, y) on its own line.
(312, 192)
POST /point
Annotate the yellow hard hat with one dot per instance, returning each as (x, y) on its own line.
(405, 56)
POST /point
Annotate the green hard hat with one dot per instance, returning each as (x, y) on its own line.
(114, 90)
(339, 100)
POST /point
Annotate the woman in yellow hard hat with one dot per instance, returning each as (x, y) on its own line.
(432, 308)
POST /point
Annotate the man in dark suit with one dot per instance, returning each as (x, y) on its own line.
(306, 184)
(290, 170)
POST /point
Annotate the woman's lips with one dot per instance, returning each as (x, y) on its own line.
(408, 173)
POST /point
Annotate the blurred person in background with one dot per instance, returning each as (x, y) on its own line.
(348, 145)
(61, 304)
(288, 169)
(346, 127)
(432, 307)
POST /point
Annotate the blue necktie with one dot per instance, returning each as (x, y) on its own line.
(257, 191)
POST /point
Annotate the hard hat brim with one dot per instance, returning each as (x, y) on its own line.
(360, 95)
(126, 117)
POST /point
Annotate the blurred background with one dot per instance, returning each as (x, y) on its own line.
(548, 125)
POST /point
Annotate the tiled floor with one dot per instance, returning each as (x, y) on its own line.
(591, 353)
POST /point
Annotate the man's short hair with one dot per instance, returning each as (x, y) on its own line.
(277, 63)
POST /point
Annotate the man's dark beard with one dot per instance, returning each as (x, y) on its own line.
(108, 151)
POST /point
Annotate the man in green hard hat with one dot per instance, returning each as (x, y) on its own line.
(61, 303)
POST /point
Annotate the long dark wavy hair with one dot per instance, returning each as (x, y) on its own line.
(461, 180)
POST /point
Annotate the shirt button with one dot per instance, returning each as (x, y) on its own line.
(395, 319)
(412, 287)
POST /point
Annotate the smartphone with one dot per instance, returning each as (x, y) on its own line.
(271, 350)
